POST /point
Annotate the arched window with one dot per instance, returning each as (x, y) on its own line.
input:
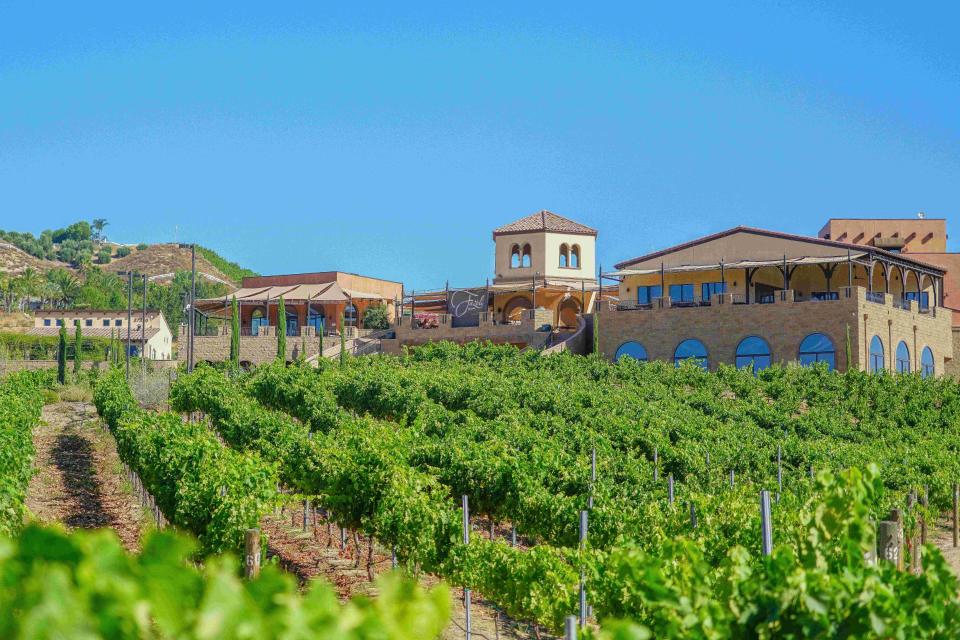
(257, 320)
(350, 316)
(525, 260)
(926, 363)
(633, 350)
(753, 352)
(876, 355)
(817, 347)
(564, 255)
(515, 256)
(575, 256)
(691, 350)
(903, 358)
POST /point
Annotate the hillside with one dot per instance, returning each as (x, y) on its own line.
(168, 258)
(14, 260)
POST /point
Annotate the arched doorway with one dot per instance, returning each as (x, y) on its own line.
(513, 310)
(567, 312)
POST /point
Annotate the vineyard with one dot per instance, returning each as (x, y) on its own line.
(627, 495)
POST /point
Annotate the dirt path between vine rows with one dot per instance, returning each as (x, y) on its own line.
(942, 537)
(79, 480)
(317, 553)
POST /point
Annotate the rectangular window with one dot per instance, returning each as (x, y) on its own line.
(922, 298)
(46, 322)
(681, 293)
(708, 289)
(59, 323)
(106, 322)
(646, 295)
(89, 322)
(117, 323)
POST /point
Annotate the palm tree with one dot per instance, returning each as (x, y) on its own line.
(99, 224)
(30, 283)
(66, 283)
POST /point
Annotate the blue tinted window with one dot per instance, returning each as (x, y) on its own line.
(46, 322)
(754, 353)
(922, 298)
(681, 293)
(926, 362)
(903, 358)
(876, 355)
(691, 350)
(633, 350)
(708, 289)
(646, 295)
(817, 347)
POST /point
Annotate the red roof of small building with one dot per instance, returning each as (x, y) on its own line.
(544, 221)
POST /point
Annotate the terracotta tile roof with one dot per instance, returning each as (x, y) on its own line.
(94, 332)
(545, 221)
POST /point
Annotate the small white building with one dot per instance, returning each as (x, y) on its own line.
(151, 338)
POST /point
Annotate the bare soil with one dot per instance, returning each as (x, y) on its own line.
(942, 537)
(79, 480)
(317, 552)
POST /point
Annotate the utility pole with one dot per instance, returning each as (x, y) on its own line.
(193, 299)
(143, 331)
(129, 316)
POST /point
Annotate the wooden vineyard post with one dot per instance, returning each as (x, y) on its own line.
(766, 523)
(956, 514)
(656, 464)
(733, 479)
(466, 541)
(889, 545)
(570, 628)
(513, 535)
(583, 579)
(693, 516)
(896, 515)
(252, 552)
(670, 495)
(925, 501)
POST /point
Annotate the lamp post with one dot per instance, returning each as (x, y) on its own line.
(193, 299)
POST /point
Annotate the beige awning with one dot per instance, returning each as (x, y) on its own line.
(327, 292)
(741, 264)
(364, 295)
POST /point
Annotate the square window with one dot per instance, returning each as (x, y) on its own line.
(59, 323)
(46, 322)
(106, 322)
(89, 323)
(117, 323)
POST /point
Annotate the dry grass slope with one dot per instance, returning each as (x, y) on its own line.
(14, 260)
(161, 259)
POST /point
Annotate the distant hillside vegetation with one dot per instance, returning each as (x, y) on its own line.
(233, 270)
(168, 258)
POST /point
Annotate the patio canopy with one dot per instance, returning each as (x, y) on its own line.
(325, 293)
(741, 264)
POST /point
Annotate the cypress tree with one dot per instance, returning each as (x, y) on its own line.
(62, 356)
(343, 342)
(596, 332)
(848, 349)
(77, 350)
(234, 335)
(281, 331)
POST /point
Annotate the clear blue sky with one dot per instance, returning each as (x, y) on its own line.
(391, 139)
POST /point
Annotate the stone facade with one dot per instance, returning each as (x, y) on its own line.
(534, 330)
(784, 324)
(253, 349)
